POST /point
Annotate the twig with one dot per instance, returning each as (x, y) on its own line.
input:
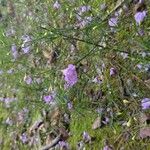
(54, 142)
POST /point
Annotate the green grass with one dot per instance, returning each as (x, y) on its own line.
(54, 31)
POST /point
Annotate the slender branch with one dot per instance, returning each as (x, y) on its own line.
(54, 142)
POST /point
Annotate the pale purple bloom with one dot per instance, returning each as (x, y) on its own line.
(24, 138)
(10, 32)
(124, 55)
(139, 17)
(8, 100)
(26, 49)
(28, 79)
(26, 44)
(70, 75)
(47, 98)
(56, 5)
(139, 66)
(63, 145)
(14, 51)
(86, 137)
(141, 32)
(113, 21)
(70, 105)
(22, 115)
(9, 121)
(10, 71)
(26, 38)
(107, 148)
(103, 6)
(145, 103)
(83, 22)
(97, 80)
(141, 1)
(83, 9)
(113, 71)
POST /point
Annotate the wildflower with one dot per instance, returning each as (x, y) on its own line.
(107, 148)
(26, 38)
(26, 44)
(26, 49)
(69, 105)
(139, 17)
(63, 145)
(28, 79)
(124, 55)
(83, 9)
(22, 115)
(83, 22)
(9, 121)
(14, 51)
(139, 66)
(24, 138)
(8, 100)
(10, 32)
(49, 98)
(56, 5)
(86, 137)
(113, 71)
(113, 21)
(145, 103)
(10, 71)
(103, 6)
(98, 79)
(70, 75)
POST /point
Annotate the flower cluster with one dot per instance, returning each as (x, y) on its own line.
(70, 76)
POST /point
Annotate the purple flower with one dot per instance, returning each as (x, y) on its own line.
(107, 148)
(103, 6)
(28, 79)
(24, 138)
(9, 121)
(14, 51)
(8, 100)
(63, 145)
(139, 17)
(124, 55)
(10, 71)
(56, 5)
(86, 137)
(26, 38)
(49, 98)
(145, 103)
(26, 49)
(26, 44)
(113, 71)
(113, 21)
(98, 80)
(10, 32)
(70, 75)
(70, 105)
(83, 9)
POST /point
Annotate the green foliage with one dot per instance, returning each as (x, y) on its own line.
(94, 45)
